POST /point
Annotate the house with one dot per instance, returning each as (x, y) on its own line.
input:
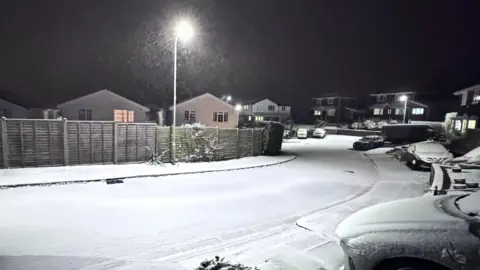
(10, 109)
(336, 109)
(264, 110)
(104, 105)
(38, 113)
(206, 109)
(391, 106)
(467, 112)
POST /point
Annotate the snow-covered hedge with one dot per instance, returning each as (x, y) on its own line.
(221, 264)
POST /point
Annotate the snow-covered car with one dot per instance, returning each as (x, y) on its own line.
(470, 157)
(421, 155)
(319, 133)
(302, 133)
(368, 142)
(429, 232)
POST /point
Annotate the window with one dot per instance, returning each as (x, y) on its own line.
(330, 100)
(190, 116)
(283, 108)
(417, 111)
(378, 112)
(389, 111)
(7, 113)
(84, 114)
(331, 112)
(381, 98)
(458, 125)
(398, 111)
(258, 118)
(245, 107)
(464, 99)
(316, 112)
(271, 108)
(123, 116)
(249, 118)
(472, 124)
(220, 117)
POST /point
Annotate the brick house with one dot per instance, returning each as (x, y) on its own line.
(336, 109)
(390, 106)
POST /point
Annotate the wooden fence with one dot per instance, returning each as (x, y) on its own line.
(34, 142)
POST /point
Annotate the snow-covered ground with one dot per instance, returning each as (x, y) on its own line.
(248, 215)
(96, 172)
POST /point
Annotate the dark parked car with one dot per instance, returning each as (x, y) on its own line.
(368, 142)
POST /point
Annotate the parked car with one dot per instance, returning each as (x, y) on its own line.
(470, 157)
(421, 155)
(319, 133)
(368, 142)
(409, 133)
(302, 133)
(429, 232)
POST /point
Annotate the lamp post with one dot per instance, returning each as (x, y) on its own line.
(183, 31)
(405, 99)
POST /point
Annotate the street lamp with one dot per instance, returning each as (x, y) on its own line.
(229, 98)
(183, 31)
(405, 99)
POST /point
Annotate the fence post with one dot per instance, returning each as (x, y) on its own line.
(238, 143)
(217, 150)
(3, 125)
(253, 140)
(65, 141)
(114, 142)
(21, 144)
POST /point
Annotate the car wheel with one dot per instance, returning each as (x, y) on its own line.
(409, 264)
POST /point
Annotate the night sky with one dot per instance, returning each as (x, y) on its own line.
(52, 51)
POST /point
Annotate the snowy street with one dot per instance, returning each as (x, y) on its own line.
(176, 221)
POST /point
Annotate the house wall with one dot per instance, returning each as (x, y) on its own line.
(15, 110)
(102, 104)
(262, 106)
(204, 107)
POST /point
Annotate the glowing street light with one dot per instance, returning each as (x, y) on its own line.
(405, 99)
(229, 98)
(184, 32)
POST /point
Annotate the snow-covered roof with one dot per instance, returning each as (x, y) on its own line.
(200, 96)
(104, 91)
(468, 89)
(379, 106)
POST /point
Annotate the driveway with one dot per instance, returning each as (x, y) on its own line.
(178, 220)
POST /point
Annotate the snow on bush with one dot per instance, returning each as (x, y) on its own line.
(221, 264)
(370, 124)
(381, 124)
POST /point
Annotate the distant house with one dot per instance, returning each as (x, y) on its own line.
(104, 105)
(38, 113)
(390, 106)
(336, 109)
(468, 109)
(206, 109)
(264, 110)
(10, 109)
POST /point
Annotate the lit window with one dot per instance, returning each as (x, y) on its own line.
(464, 99)
(399, 111)
(249, 118)
(378, 112)
(245, 107)
(389, 111)
(258, 118)
(458, 125)
(190, 116)
(316, 112)
(85, 114)
(331, 112)
(220, 117)
(472, 124)
(476, 97)
(417, 111)
(123, 116)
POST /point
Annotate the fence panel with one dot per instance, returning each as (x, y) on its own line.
(2, 128)
(228, 143)
(245, 142)
(257, 143)
(14, 150)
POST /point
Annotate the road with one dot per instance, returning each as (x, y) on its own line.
(179, 219)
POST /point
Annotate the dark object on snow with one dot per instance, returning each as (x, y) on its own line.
(221, 264)
(272, 138)
(114, 181)
(409, 133)
(349, 171)
(368, 142)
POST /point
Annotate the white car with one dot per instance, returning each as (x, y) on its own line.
(421, 155)
(302, 133)
(429, 232)
(319, 133)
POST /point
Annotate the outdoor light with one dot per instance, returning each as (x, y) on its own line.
(229, 98)
(184, 32)
(238, 107)
(477, 97)
(404, 98)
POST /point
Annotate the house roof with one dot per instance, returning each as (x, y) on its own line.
(379, 106)
(106, 91)
(326, 97)
(199, 96)
(324, 107)
(12, 98)
(393, 93)
(355, 110)
(468, 89)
